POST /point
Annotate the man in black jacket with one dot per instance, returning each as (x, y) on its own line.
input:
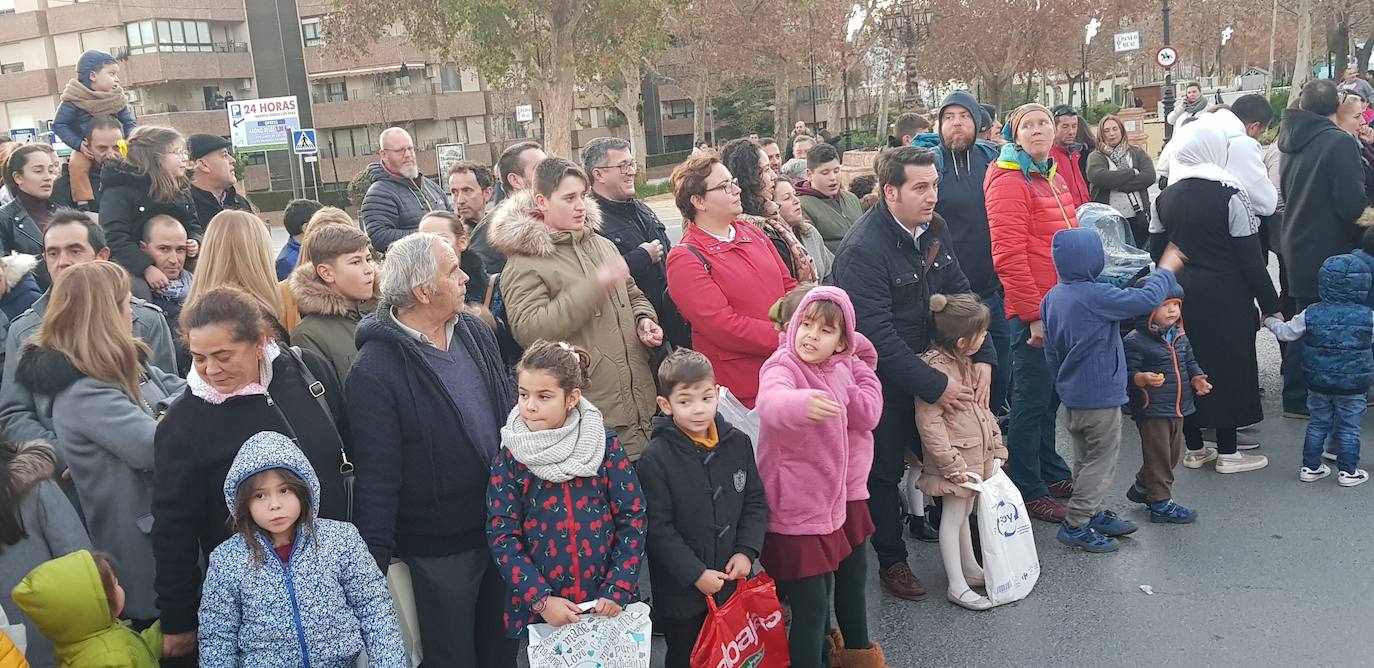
(893, 259)
(516, 168)
(633, 227)
(399, 195)
(101, 143)
(427, 397)
(212, 177)
(1323, 190)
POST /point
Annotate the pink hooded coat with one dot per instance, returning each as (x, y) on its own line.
(810, 469)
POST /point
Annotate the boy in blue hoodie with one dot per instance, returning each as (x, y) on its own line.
(94, 91)
(1084, 350)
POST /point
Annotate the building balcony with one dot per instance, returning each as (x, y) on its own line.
(227, 61)
(387, 52)
(418, 102)
(22, 26)
(79, 17)
(25, 85)
(189, 122)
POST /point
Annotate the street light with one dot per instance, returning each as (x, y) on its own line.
(908, 23)
(1089, 31)
(1168, 82)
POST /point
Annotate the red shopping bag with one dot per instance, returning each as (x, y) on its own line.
(745, 632)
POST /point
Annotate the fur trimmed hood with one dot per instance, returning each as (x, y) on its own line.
(31, 462)
(517, 227)
(313, 297)
(16, 266)
(45, 371)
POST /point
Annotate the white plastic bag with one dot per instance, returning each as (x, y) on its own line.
(403, 599)
(1011, 566)
(595, 641)
(736, 414)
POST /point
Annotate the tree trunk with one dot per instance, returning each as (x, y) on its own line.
(1302, 64)
(885, 81)
(626, 101)
(1338, 44)
(557, 88)
(699, 111)
(835, 81)
(1362, 55)
(782, 101)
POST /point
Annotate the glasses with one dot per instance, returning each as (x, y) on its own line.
(403, 151)
(731, 186)
(183, 154)
(628, 167)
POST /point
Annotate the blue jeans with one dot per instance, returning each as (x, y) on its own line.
(1000, 332)
(1032, 459)
(1337, 417)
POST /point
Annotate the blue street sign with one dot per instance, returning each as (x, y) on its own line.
(303, 142)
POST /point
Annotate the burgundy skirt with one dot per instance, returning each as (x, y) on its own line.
(787, 557)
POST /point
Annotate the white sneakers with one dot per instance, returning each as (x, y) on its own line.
(1359, 477)
(1241, 463)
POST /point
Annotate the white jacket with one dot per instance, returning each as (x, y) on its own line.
(1244, 158)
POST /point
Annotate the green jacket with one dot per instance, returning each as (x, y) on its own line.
(67, 602)
(833, 217)
(328, 319)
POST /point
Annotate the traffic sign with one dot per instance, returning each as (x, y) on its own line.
(1127, 41)
(303, 142)
(1166, 57)
(23, 135)
(264, 124)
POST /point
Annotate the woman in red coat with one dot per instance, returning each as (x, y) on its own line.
(724, 276)
(1028, 202)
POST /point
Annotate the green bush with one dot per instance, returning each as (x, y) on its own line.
(1278, 102)
(667, 158)
(1097, 111)
(276, 200)
(650, 189)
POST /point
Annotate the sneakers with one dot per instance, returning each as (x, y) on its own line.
(1046, 509)
(1359, 477)
(1241, 464)
(1109, 524)
(1062, 489)
(1244, 441)
(899, 581)
(1195, 459)
(1137, 495)
(1313, 475)
(1084, 538)
(1168, 512)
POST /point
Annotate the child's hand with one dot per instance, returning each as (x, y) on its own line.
(1148, 379)
(1173, 259)
(1200, 386)
(711, 581)
(821, 407)
(738, 567)
(607, 608)
(560, 611)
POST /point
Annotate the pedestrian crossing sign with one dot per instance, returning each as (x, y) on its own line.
(303, 142)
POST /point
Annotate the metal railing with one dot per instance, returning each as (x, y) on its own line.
(414, 89)
(125, 52)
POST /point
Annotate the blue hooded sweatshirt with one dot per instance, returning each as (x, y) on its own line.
(1083, 321)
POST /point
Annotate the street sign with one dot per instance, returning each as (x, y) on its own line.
(312, 158)
(1166, 57)
(1127, 41)
(264, 124)
(449, 154)
(524, 113)
(303, 142)
(23, 135)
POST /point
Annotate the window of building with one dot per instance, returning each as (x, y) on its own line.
(350, 142)
(168, 36)
(326, 90)
(457, 130)
(451, 78)
(11, 68)
(679, 109)
(584, 118)
(393, 83)
(312, 32)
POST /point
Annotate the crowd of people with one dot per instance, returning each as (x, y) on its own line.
(216, 454)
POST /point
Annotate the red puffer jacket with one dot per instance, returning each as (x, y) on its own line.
(1023, 217)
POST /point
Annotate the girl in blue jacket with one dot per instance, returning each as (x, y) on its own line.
(291, 589)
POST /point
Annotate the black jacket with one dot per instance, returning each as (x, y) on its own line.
(1323, 192)
(705, 506)
(19, 234)
(62, 191)
(422, 483)
(207, 206)
(195, 445)
(394, 205)
(627, 225)
(125, 209)
(883, 270)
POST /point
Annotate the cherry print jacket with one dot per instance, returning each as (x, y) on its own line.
(581, 540)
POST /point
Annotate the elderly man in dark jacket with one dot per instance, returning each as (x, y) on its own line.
(891, 262)
(213, 179)
(427, 396)
(1322, 178)
(399, 195)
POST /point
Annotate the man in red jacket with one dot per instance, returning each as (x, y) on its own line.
(1066, 152)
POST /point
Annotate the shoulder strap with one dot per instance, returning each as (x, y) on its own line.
(693, 249)
(317, 391)
(316, 387)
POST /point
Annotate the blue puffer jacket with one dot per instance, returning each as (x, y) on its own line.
(1338, 359)
(1368, 261)
(318, 609)
(1152, 349)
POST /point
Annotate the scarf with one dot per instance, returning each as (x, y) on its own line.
(176, 290)
(804, 188)
(93, 102)
(1119, 154)
(1197, 107)
(203, 390)
(801, 260)
(1014, 157)
(575, 450)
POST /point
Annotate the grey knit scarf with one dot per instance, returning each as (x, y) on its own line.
(575, 450)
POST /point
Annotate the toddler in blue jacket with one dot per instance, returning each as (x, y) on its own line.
(94, 91)
(1084, 351)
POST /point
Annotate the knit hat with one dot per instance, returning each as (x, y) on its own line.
(1014, 122)
(90, 63)
(989, 115)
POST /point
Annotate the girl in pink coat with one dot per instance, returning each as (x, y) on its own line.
(819, 400)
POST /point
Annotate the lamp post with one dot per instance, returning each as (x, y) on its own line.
(1168, 82)
(1089, 31)
(908, 23)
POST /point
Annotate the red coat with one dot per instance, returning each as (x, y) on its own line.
(1069, 168)
(728, 306)
(1023, 218)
